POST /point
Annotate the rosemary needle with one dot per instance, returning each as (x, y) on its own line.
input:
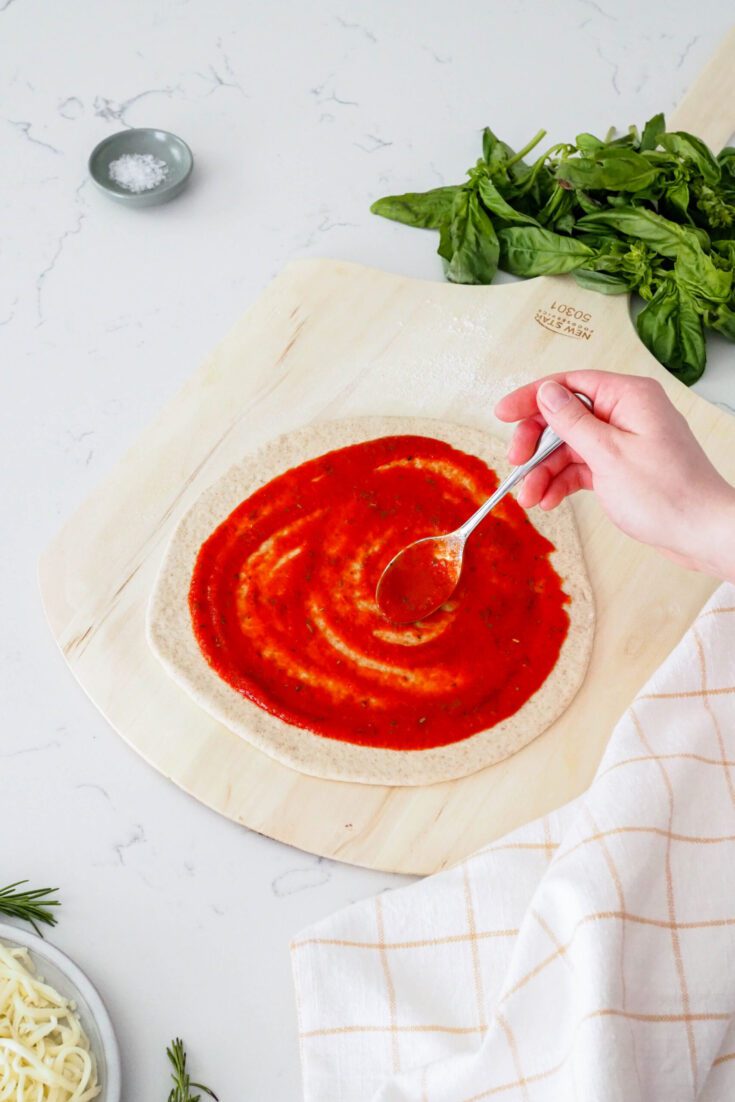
(182, 1088)
(31, 906)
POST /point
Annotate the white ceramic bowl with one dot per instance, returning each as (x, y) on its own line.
(69, 980)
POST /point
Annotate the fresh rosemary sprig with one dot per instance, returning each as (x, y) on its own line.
(31, 906)
(182, 1088)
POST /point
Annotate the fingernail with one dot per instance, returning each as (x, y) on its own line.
(553, 395)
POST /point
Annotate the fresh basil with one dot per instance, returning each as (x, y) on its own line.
(608, 169)
(473, 242)
(496, 204)
(603, 282)
(677, 196)
(722, 318)
(533, 251)
(650, 212)
(428, 209)
(652, 133)
(688, 148)
(661, 234)
(671, 329)
(495, 153)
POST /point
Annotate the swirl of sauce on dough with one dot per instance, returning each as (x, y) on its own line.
(282, 599)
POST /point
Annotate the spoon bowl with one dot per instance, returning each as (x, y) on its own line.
(420, 578)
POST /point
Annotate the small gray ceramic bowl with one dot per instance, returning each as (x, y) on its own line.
(164, 146)
(69, 980)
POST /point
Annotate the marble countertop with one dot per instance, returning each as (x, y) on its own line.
(299, 115)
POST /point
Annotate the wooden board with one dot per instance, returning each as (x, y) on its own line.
(330, 340)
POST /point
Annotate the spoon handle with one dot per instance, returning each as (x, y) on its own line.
(548, 443)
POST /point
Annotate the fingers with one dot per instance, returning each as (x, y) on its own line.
(548, 485)
(522, 402)
(523, 444)
(606, 390)
(591, 438)
(574, 477)
(534, 486)
(525, 438)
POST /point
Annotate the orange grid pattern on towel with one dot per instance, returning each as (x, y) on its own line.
(590, 955)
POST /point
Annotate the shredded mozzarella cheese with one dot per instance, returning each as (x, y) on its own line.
(44, 1052)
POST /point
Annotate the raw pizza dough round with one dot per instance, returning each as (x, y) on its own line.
(172, 639)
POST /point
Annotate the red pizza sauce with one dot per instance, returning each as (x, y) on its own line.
(282, 599)
(420, 580)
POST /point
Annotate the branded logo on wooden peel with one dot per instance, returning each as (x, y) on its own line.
(561, 317)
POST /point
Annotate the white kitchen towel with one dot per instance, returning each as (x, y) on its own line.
(588, 956)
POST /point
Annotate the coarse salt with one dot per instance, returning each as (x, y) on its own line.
(138, 171)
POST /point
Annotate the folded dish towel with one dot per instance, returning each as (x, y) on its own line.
(589, 955)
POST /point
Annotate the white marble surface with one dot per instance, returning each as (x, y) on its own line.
(299, 114)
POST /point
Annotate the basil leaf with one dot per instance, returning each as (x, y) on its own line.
(696, 272)
(726, 251)
(689, 148)
(588, 205)
(495, 153)
(723, 320)
(678, 195)
(557, 210)
(445, 248)
(655, 323)
(474, 244)
(533, 251)
(496, 204)
(630, 139)
(671, 329)
(702, 236)
(691, 341)
(660, 233)
(588, 143)
(618, 169)
(565, 223)
(652, 132)
(726, 160)
(604, 282)
(427, 209)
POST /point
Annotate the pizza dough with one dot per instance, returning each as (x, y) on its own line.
(173, 641)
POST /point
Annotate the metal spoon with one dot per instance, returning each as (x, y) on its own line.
(422, 577)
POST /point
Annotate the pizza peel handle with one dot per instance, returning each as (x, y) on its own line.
(708, 108)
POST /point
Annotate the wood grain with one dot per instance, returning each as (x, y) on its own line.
(330, 340)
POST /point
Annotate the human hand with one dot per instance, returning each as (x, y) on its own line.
(637, 453)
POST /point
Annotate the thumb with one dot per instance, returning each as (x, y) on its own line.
(572, 421)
